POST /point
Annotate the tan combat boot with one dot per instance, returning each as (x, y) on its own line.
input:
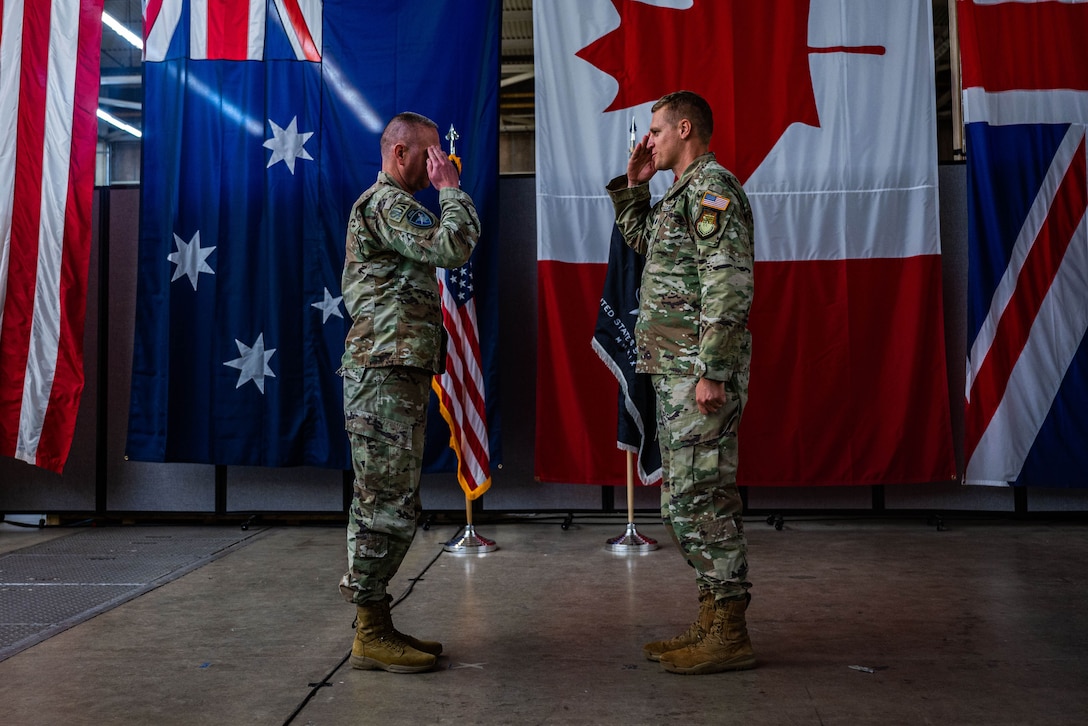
(694, 633)
(725, 647)
(427, 646)
(378, 646)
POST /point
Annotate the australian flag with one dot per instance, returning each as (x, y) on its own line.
(614, 342)
(1026, 107)
(261, 127)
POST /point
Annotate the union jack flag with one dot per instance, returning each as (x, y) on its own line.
(233, 30)
(1026, 105)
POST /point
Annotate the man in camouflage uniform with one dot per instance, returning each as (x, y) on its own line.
(693, 339)
(393, 349)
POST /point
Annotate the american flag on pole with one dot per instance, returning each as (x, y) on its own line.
(460, 389)
(1026, 109)
(49, 70)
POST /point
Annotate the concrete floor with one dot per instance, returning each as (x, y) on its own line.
(854, 621)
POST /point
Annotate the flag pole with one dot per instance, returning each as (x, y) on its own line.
(631, 542)
(469, 543)
(958, 150)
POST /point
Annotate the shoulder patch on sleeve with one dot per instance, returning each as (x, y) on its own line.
(421, 218)
(397, 211)
(707, 225)
(714, 201)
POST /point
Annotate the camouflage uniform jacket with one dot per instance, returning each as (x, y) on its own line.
(394, 244)
(697, 283)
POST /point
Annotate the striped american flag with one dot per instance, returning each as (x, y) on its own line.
(460, 388)
(49, 72)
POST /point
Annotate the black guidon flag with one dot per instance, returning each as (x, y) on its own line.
(614, 342)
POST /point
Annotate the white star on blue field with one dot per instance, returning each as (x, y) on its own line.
(190, 259)
(253, 363)
(329, 306)
(288, 144)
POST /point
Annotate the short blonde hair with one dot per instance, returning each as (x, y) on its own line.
(687, 104)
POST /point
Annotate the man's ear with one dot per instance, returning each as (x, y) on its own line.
(684, 127)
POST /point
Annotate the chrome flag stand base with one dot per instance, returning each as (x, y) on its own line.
(470, 543)
(631, 542)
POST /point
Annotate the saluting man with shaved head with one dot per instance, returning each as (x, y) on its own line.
(395, 346)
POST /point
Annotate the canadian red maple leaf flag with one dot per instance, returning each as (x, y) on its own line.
(825, 110)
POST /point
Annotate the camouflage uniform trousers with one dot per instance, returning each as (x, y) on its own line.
(700, 503)
(385, 412)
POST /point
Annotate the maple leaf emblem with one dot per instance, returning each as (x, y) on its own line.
(747, 58)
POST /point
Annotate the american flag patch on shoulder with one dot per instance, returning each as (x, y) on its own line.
(714, 201)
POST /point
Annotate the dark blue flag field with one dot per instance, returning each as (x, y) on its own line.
(259, 135)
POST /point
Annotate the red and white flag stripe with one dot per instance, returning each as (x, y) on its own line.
(161, 19)
(1007, 80)
(49, 73)
(227, 30)
(302, 21)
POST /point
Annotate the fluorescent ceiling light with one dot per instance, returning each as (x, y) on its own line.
(114, 121)
(113, 24)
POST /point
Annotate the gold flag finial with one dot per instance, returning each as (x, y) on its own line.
(452, 136)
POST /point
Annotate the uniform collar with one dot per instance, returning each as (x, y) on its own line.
(386, 178)
(698, 163)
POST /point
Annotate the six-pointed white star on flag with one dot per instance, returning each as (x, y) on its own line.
(190, 258)
(253, 362)
(329, 306)
(287, 144)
